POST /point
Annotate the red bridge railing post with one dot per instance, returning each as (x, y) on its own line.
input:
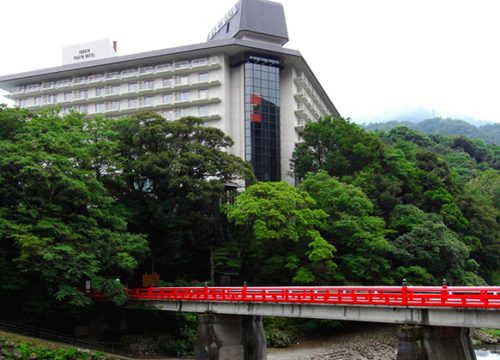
(444, 292)
(404, 293)
(244, 291)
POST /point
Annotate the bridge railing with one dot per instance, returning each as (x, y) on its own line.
(415, 296)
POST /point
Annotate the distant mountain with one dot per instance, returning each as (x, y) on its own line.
(489, 133)
(415, 114)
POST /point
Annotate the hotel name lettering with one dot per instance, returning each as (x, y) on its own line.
(84, 54)
(222, 22)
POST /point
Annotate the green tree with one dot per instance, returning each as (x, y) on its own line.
(336, 146)
(279, 237)
(423, 240)
(59, 226)
(358, 235)
(175, 172)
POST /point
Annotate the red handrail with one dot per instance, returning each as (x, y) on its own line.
(411, 296)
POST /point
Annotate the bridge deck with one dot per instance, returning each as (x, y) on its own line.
(435, 306)
(393, 296)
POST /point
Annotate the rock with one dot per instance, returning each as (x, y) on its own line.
(483, 337)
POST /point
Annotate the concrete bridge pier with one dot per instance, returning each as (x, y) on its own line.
(230, 337)
(434, 343)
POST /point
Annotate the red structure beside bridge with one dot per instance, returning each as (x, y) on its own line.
(408, 296)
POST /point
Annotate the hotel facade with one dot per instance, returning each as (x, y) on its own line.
(241, 80)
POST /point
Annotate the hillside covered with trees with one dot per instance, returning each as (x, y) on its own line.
(489, 133)
(100, 199)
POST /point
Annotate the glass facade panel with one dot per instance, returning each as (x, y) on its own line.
(262, 116)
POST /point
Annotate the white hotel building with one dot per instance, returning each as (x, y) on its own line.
(241, 80)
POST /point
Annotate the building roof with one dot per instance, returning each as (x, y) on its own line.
(253, 18)
(8, 81)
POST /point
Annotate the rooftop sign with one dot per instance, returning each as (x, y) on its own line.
(223, 21)
(88, 51)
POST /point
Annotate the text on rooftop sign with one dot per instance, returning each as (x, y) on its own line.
(222, 21)
(84, 54)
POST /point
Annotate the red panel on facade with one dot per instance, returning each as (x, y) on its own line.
(255, 103)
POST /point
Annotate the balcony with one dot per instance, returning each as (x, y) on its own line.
(188, 103)
(129, 73)
(33, 88)
(63, 84)
(48, 85)
(93, 79)
(18, 90)
(303, 83)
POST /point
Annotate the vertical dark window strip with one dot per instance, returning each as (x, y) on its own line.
(262, 116)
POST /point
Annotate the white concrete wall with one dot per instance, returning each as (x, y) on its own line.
(287, 122)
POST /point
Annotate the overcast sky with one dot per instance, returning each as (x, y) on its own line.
(375, 59)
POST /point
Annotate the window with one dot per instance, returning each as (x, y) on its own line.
(169, 115)
(133, 103)
(168, 98)
(149, 100)
(82, 94)
(99, 108)
(262, 115)
(184, 80)
(99, 91)
(181, 65)
(79, 80)
(48, 85)
(133, 87)
(200, 62)
(38, 100)
(203, 110)
(82, 109)
(115, 105)
(96, 77)
(50, 99)
(185, 112)
(203, 94)
(32, 87)
(203, 77)
(147, 85)
(129, 72)
(113, 75)
(167, 82)
(164, 67)
(185, 96)
(115, 89)
(62, 83)
(146, 70)
(68, 96)
(22, 103)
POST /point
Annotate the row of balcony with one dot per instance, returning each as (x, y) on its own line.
(110, 110)
(108, 93)
(140, 72)
(303, 82)
(138, 103)
(306, 107)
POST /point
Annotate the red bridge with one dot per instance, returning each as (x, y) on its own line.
(409, 296)
(436, 320)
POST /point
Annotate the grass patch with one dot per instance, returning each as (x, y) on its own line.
(492, 332)
(16, 346)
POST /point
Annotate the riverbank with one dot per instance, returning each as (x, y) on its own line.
(372, 342)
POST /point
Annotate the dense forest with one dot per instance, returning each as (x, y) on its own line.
(489, 133)
(103, 200)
